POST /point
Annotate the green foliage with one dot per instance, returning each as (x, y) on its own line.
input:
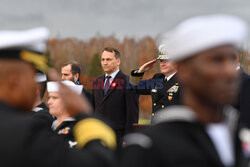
(48, 56)
(95, 68)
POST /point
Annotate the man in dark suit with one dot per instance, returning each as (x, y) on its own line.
(111, 98)
(72, 71)
(203, 131)
(164, 87)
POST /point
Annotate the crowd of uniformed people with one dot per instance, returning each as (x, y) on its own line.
(200, 103)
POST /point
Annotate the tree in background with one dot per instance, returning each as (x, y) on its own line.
(95, 68)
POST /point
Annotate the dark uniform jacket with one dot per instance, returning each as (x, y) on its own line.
(41, 112)
(177, 140)
(26, 142)
(164, 93)
(85, 92)
(119, 105)
(243, 101)
(65, 130)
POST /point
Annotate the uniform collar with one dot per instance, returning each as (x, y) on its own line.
(55, 122)
(175, 113)
(170, 76)
(40, 107)
(37, 109)
(186, 114)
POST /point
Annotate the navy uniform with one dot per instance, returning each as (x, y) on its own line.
(164, 92)
(41, 112)
(178, 139)
(66, 126)
(65, 130)
(242, 104)
(28, 142)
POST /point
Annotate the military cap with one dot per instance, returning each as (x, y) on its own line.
(162, 53)
(54, 86)
(28, 45)
(200, 33)
(40, 77)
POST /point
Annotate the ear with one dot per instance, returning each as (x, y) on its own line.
(119, 61)
(237, 59)
(76, 76)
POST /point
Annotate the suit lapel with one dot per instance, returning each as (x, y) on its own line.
(99, 91)
(111, 90)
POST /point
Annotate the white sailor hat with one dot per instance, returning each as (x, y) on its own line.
(204, 32)
(28, 45)
(40, 77)
(54, 86)
(162, 53)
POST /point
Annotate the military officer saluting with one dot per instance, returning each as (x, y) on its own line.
(163, 87)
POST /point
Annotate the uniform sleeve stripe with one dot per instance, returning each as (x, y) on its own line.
(134, 80)
(93, 129)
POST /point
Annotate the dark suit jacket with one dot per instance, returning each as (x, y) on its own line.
(176, 143)
(119, 105)
(87, 94)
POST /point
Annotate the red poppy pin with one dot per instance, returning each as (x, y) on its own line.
(113, 84)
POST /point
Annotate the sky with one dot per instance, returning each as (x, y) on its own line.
(84, 19)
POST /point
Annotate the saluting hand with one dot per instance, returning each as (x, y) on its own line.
(147, 66)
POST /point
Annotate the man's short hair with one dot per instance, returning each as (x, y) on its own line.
(113, 50)
(75, 67)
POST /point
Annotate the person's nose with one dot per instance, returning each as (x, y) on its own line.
(49, 101)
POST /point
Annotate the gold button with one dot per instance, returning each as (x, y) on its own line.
(162, 106)
(154, 104)
(153, 114)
